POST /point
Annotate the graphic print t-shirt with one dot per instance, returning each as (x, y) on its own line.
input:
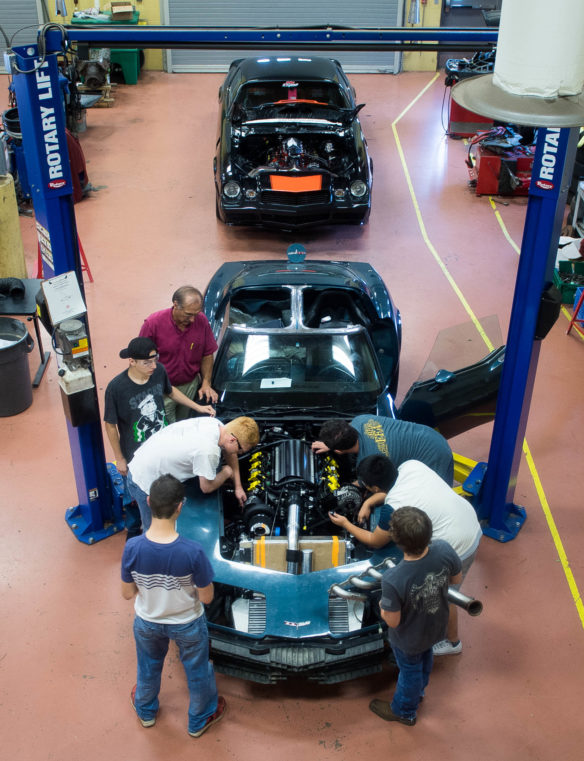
(419, 589)
(402, 440)
(137, 409)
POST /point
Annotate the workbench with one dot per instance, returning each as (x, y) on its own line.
(128, 59)
(25, 306)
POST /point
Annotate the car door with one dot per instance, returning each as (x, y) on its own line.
(454, 401)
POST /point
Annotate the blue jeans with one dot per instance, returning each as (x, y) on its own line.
(414, 673)
(132, 518)
(193, 645)
(142, 499)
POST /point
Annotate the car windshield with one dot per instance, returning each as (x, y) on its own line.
(255, 95)
(290, 363)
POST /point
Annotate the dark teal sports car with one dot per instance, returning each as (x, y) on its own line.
(300, 342)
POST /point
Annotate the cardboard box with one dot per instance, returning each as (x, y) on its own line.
(270, 552)
(122, 11)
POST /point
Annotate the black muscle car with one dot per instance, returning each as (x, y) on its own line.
(290, 150)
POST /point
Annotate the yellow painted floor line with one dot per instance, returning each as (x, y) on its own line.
(529, 459)
(554, 532)
(499, 219)
(576, 330)
(417, 98)
(422, 227)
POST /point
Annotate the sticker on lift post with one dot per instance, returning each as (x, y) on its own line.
(547, 172)
(45, 247)
(63, 297)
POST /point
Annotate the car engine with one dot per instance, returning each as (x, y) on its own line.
(289, 153)
(290, 493)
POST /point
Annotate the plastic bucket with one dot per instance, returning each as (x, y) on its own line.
(15, 385)
(11, 123)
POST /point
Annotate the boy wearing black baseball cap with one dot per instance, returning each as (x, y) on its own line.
(134, 408)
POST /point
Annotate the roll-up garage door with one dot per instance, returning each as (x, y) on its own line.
(366, 14)
(20, 20)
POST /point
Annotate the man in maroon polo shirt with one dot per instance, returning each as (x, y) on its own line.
(186, 346)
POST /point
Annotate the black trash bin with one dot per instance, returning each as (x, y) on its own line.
(15, 385)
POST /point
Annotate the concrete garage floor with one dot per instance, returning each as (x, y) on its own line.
(67, 655)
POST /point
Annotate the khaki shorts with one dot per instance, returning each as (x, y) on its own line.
(175, 412)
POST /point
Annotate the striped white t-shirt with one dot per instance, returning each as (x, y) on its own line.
(167, 576)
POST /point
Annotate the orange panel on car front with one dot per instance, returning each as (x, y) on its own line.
(296, 184)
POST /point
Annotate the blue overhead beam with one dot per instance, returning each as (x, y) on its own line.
(326, 37)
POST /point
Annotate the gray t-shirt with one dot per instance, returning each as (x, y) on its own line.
(401, 441)
(419, 589)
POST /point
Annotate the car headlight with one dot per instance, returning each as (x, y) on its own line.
(231, 189)
(358, 188)
(340, 192)
(250, 194)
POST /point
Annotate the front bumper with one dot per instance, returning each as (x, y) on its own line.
(326, 660)
(293, 212)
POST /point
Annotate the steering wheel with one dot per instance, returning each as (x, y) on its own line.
(276, 367)
(335, 373)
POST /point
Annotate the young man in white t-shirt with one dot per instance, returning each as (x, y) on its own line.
(414, 484)
(192, 448)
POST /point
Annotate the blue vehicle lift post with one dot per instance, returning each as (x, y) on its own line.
(42, 118)
(553, 161)
(95, 516)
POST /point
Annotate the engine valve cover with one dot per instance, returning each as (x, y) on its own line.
(294, 460)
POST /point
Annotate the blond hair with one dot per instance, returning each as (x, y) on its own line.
(245, 429)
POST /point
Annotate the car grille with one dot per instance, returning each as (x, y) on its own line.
(257, 615)
(297, 658)
(295, 199)
(338, 615)
(327, 661)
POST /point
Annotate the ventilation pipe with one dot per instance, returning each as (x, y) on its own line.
(539, 68)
